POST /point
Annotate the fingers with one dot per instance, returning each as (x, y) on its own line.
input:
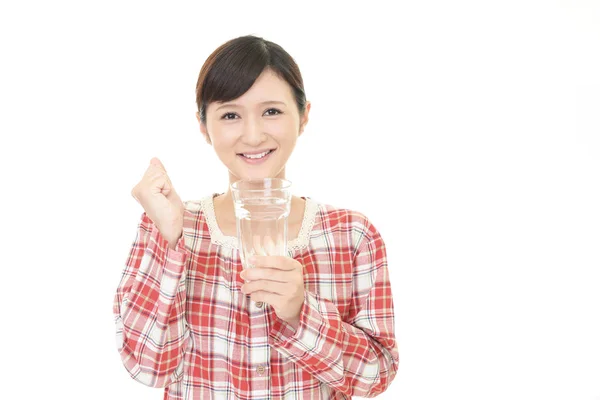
(266, 286)
(264, 245)
(156, 162)
(268, 274)
(155, 180)
(272, 299)
(256, 245)
(277, 262)
(269, 246)
(157, 175)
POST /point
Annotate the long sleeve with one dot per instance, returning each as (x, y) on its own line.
(357, 356)
(149, 308)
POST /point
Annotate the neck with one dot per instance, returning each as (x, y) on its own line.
(224, 202)
(234, 178)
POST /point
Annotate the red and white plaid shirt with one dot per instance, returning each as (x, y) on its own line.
(183, 323)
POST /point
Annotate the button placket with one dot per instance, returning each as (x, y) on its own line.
(260, 353)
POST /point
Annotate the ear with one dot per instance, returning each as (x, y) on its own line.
(304, 118)
(203, 129)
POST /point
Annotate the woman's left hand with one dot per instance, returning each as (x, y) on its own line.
(278, 281)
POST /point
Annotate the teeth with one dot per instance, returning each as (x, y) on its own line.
(261, 155)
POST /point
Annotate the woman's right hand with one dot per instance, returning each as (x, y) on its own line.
(162, 204)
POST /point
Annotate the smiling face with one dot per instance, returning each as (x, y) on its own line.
(255, 134)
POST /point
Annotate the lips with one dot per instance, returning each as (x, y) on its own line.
(256, 157)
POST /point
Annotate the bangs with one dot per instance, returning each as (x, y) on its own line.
(234, 72)
(231, 70)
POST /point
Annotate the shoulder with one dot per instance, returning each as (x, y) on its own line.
(193, 206)
(345, 220)
(198, 206)
(198, 222)
(197, 210)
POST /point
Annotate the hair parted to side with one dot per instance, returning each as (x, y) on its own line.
(234, 66)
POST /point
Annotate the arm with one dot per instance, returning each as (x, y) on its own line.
(149, 308)
(358, 357)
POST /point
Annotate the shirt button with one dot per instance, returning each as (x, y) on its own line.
(259, 304)
(260, 370)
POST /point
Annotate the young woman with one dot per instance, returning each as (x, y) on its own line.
(317, 324)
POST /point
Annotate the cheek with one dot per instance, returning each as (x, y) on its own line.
(224, 137)
(284, 130)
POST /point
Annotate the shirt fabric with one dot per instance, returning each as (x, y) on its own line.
(183, 323)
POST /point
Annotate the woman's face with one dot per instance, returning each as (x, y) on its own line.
(255, 134)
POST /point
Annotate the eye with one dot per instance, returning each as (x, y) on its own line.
(272, 111)
(229, 115)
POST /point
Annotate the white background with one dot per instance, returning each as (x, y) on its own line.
(467, 131)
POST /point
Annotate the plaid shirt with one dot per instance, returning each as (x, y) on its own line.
(183, 323)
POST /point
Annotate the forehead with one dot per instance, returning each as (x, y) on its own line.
(267, 87)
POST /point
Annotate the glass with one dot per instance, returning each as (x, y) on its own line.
(262, 207)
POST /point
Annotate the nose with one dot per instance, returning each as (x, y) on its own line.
(253, 134)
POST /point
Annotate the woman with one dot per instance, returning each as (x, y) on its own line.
(317, 324)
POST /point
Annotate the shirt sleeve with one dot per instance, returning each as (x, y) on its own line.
(357, 356)
(149, 308)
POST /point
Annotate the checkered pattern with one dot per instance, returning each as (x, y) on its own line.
(183, 324)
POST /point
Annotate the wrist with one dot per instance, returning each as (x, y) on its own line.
(173, 242)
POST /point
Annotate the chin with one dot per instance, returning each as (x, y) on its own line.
(253, 175)
(256, 174)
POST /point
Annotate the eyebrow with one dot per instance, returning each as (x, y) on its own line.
(237, 105)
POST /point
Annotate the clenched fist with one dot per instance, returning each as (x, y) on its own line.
(162, 204)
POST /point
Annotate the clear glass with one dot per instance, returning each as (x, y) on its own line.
(262, 207)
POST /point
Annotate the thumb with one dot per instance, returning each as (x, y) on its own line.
(155, 161)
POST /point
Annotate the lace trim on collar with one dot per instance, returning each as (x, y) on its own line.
(217, 237)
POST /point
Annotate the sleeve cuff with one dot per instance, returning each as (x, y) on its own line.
(312, 328)
(173, 259)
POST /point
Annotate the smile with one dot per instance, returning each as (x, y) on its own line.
(256, 158)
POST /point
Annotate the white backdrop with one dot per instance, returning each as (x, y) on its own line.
(467, 131)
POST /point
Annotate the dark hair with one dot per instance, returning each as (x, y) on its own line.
(233, 67)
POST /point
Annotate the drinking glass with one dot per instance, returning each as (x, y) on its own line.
(262, 207)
